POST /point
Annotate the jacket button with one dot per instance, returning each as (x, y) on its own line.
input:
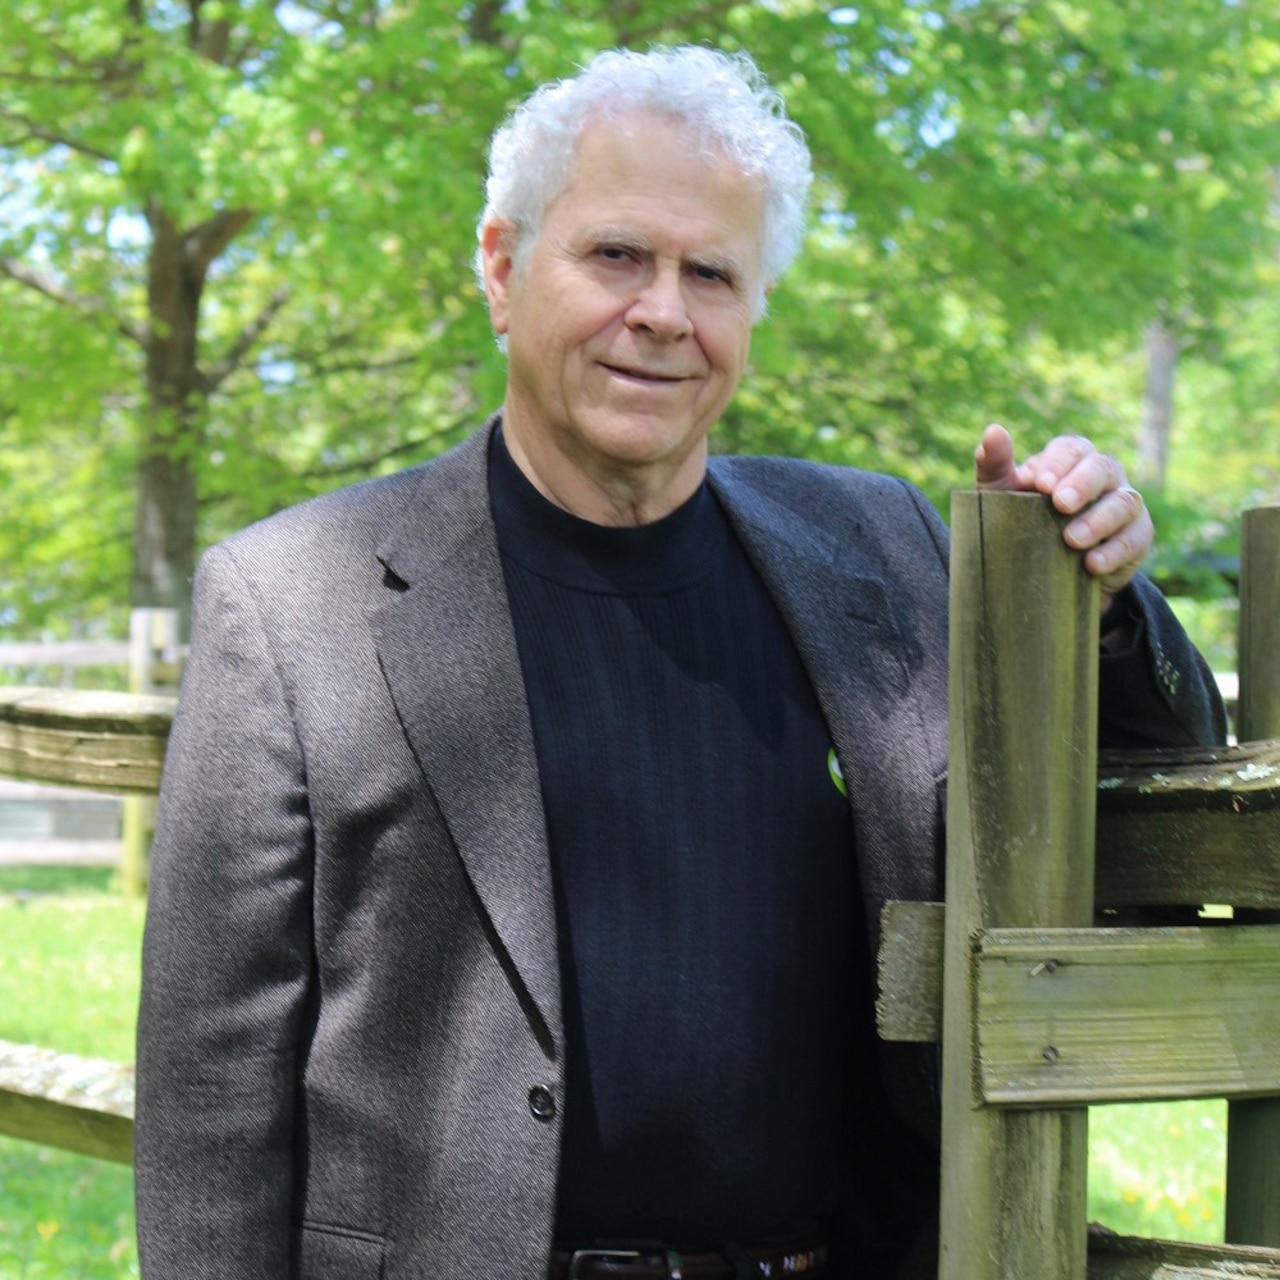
(542, 1102)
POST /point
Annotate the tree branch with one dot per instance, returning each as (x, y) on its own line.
(364, 465)
(42, 134)
(710, 12)
(206, 241)
(246, 341)
(320, 370)
(482, 25)
(45, 284)
(209, 38)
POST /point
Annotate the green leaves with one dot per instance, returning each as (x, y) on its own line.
(1007, 193)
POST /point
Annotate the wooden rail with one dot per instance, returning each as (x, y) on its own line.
(101, 741)
(1113, 1257)
(60, 1100)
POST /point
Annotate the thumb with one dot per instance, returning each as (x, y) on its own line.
(993, 459)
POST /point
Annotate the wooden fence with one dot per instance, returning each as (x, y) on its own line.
(1039, 1012)
(103, 742)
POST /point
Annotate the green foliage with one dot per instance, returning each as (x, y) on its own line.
(1007, 193)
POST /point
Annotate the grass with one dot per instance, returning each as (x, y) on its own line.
(1159, 1169)
(69, 981)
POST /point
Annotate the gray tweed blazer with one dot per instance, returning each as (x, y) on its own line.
(349, 1045)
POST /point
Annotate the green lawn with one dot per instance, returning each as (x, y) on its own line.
(69, 981)
(1159, 1169)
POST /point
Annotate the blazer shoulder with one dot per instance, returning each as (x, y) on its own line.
(364, 506)
(330, 534)
(842, 500)
(798, 479)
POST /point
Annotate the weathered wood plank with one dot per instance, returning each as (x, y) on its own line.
(59, 1100)
(1020, 822)
(1189, 827)
(1073, 1016)
(1188, 859)
(1253, 1128)
(103, 741)
(1232, 779)
(1113, 1257)
(64, 653)
(1214, 1035)
(909, 999)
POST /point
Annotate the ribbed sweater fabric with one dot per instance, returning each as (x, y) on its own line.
(702, 858)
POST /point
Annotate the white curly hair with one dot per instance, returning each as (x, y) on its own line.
(724, 101)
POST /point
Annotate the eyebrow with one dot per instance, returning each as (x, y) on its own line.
(619, 236)
(723, 263)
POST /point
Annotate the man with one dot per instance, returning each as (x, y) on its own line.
(504, 923)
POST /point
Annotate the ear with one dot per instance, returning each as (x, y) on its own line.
(497, 253)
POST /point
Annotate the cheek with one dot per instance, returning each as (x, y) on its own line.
(732, 345)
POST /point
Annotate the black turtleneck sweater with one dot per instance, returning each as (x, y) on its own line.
(702, 856)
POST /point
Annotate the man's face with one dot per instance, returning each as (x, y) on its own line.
(629, 324)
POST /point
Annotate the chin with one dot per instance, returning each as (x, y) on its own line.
(645, 439)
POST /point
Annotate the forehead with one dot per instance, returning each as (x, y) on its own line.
(650, 169)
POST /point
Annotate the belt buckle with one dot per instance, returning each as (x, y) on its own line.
(579, 1256)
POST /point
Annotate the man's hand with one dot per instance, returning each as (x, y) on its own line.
(1111, 524)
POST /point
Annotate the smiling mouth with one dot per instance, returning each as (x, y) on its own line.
(642, 375)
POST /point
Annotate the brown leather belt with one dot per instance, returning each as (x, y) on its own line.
(776, 1260)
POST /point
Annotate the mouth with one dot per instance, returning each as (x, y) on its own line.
(647, 377)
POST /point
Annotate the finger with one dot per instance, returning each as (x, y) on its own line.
(994, 460)
(1110, 517)
(1072, 471)
(1091, 480)
(1116, 534)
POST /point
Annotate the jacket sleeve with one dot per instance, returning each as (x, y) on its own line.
(226, 958)
(1158, 692)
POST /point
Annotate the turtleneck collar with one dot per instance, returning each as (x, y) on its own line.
(667, 555)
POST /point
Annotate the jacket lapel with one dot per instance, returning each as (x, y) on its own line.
(448, 652)
(838, 607)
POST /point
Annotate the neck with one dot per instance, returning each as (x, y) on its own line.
(618, 496)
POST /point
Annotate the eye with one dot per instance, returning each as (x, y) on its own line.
(614, 253)
(711, 275)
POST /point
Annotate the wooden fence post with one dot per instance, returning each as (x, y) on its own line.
(153, 640)
(1020, 832)
(1253, 1127)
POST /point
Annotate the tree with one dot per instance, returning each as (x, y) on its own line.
(213, 190)
(235, 235)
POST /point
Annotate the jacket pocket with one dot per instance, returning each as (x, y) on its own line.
(338, 1253)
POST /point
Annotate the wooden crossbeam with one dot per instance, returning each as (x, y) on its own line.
(101, 741)
(1187, 827)
(60, 1100)
(1129, 1014)
(909, 998)
(1113, 1257)
(1073, 1016)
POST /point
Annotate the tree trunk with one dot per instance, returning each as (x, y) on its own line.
(1157, 405)
(165, 514)
(164, 550)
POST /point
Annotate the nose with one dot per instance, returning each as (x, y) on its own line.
(659, 308)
